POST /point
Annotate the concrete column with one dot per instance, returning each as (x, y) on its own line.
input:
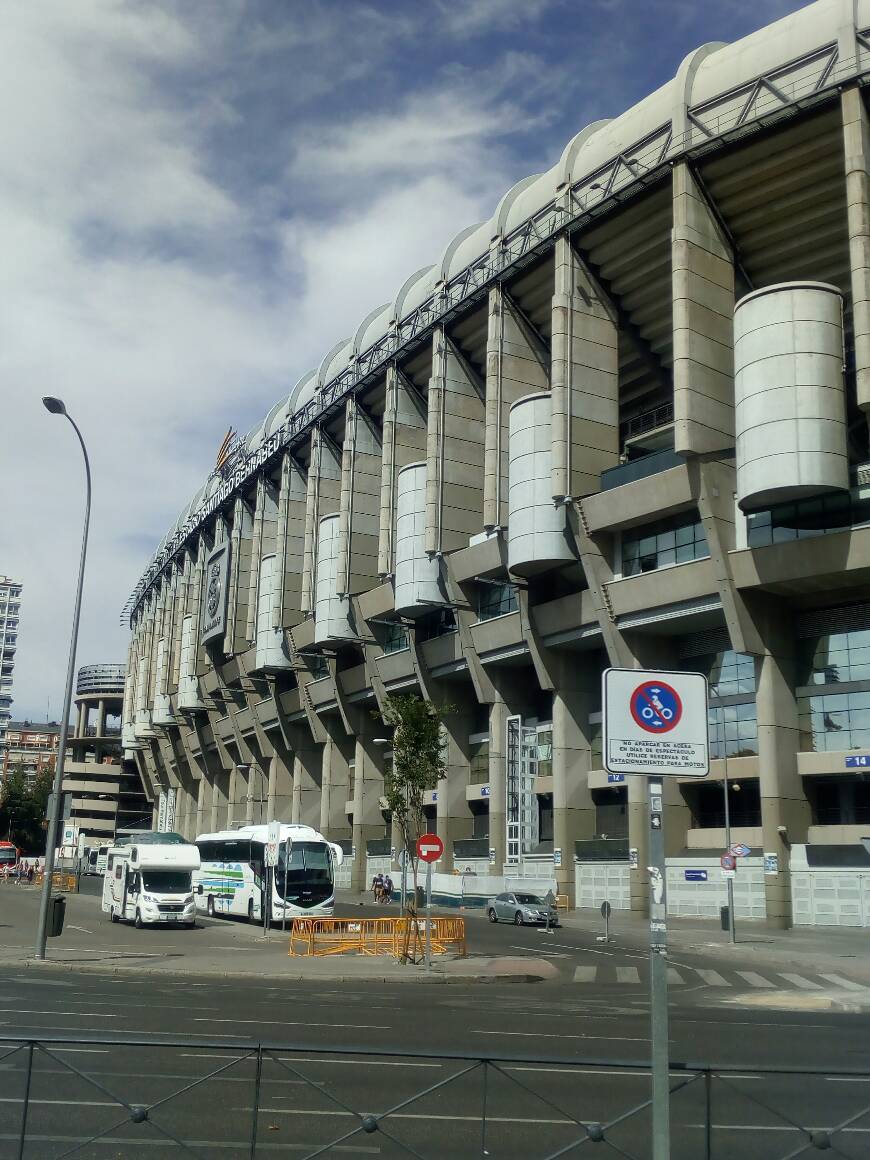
(585, 379)
(335, 789)
(82, 726)
(856, 140)
(575, 697)
(281, 787)
(220, 818)
(368, 789)
(454, 820)
(703, 321)
(203, 806)
(307, 770)
(512, 370)
(498, 715)
(101, 719)
(785, 811)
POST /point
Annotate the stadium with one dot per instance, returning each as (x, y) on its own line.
(621, 423)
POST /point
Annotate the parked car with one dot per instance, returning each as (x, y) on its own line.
(520, 909)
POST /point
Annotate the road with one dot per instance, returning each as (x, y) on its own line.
(570, 1050)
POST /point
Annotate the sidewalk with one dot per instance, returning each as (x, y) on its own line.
(812, 948)
(220, 950)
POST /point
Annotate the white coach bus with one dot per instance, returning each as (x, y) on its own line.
(230, 880)
(151, 881)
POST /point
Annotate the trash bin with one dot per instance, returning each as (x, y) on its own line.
(56, 915)
(723, 918)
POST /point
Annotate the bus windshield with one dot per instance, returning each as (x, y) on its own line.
(307, 874)
(167, 881)
(8, 855)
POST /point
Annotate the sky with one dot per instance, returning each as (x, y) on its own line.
(198, 198)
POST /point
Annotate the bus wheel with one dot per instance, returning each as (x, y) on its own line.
(138, 919)
(113, 916)
(210, 907)
(250, 910)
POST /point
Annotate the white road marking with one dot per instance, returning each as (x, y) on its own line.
(553, 1035)
(81, 928)
(299, 1023)
(800, 981)
(627, 975)
(713, 979)
(75, 1014)
(674, 976)
(585, 974)
(405, 1116)
(753, 979)
(839, 981)
(81, 1050)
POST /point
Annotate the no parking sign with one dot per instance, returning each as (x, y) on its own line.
(655, 723)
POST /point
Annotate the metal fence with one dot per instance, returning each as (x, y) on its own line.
(130, 1097)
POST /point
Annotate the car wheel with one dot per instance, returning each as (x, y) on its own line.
(210, 907)
(493, 917)
(113, 916)
(250, 910)
(518, 919)
(138, 923)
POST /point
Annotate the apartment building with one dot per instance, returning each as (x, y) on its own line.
(30, 747)
(10, 611)
(621, 423)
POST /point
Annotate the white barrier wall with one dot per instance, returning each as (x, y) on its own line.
(416, 578)
(789, 393)
(689, 897)
(597, 882)
(536, 526)
(830, 895)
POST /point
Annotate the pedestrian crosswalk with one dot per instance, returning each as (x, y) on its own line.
(683, 976)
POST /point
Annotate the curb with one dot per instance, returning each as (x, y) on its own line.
(406, 979)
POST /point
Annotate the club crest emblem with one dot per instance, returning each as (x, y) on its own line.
(214, 590)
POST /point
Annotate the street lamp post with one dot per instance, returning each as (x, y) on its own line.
(729, 882)
(56, 407)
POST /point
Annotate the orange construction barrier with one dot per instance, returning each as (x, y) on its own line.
(372, 936)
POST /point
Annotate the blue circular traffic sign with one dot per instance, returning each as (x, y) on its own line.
(656, 707)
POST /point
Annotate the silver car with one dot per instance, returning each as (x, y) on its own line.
(520, 909)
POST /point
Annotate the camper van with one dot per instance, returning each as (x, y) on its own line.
(151, 883)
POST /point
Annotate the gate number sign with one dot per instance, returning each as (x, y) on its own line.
(655, 723)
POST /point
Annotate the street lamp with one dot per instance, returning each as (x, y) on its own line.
(56, 407)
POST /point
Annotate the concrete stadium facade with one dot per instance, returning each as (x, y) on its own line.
(623, 422)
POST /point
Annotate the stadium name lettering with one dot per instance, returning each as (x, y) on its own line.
(232, 482)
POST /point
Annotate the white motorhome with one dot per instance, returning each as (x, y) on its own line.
(151, 882)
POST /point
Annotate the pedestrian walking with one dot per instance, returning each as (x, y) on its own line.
(388, 889)
(377, 887)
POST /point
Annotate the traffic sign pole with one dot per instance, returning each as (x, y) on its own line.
(428, 916)
(658, 949)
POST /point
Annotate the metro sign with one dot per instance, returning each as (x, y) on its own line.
(429, 847)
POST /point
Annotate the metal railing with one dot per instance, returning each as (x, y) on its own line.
(373, 936)
(135, 1096)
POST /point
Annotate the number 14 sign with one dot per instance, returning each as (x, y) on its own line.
(655, 723)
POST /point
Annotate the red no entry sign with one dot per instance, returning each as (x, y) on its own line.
(656, 707)
(429, 847)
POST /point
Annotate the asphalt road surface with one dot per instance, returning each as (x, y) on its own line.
(563, 1055)
(315, 1085)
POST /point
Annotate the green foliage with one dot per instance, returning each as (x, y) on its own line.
(419, 761)
(22, 809)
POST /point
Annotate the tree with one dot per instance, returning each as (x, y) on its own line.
(23, 806)
(419, 763)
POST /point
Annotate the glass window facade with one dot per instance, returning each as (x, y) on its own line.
(805, 519)
(733, 730)
(441, 622)
(496, 600)
(834, 658)
(395, 639)
(834, 721)
(479, 763)
(673, 541)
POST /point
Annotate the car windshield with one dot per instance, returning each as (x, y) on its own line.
(530, 900)
(166, 881)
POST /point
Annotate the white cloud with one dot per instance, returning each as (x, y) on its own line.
(476, 17)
